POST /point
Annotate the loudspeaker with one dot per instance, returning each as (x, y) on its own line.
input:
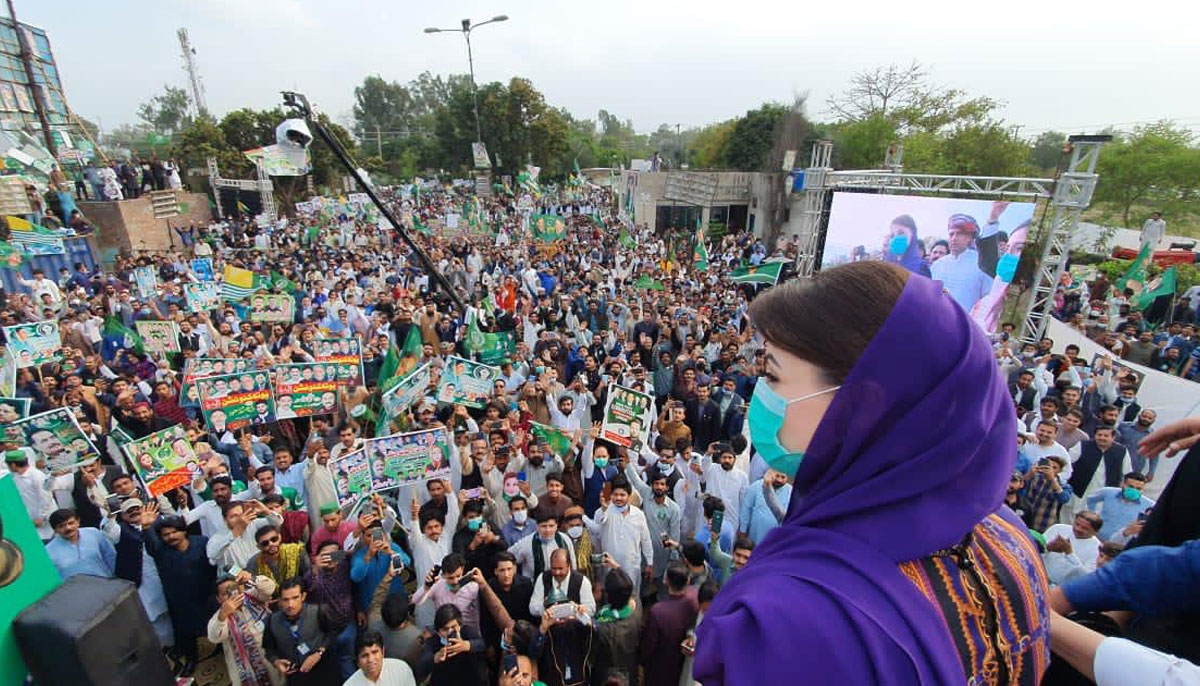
(91, 631)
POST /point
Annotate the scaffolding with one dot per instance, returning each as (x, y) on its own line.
(1068, 196)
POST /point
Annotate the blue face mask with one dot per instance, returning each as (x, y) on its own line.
(600, 462)
(1131, 493)
(473, 523)
(1006, 267)
(899, 244)
(767, 412)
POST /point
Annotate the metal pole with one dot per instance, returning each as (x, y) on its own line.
(39, 94)
(378, 142)
(471, 63)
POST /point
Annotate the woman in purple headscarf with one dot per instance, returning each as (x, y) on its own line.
(896, 562)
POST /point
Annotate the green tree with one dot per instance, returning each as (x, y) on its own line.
(709, 145)
(1157, 166)
(905, 97)
(1047, 150)
(862, 144)
(166, 112)
(752, 138)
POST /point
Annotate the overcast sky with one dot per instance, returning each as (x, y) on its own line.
(1056, 65)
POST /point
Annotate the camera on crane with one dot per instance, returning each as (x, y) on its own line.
(293, 132)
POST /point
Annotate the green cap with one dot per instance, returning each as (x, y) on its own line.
(329, 508)
(16, 456)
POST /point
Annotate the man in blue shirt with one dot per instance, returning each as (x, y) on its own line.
(371, 563)
(764, 505)
(76, 550)
(1120, 506)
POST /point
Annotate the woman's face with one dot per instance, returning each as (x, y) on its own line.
(792, 377)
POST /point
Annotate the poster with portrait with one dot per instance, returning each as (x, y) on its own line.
(464, 382)
(8, 373)
(351, 478)
(202, 297)
(57, 441)
(202, 267)
(34, 344)
(303, 390)
(346, 353)
(972, 246)
(271, 308)
(628, 416)
(1125, 375)
(407, 391)
(197, 367)
(165, 460)
(408, 458)
(232, 401)
(147, 282)
(158, 336)
(12, 409)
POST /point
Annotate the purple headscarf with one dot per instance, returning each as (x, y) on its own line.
(915, 449)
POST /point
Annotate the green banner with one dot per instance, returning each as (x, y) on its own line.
(232, 401)
(57, 442)
(346, 353)
(34, 344)
(498, 347)
(547, 228)
(165, 460)
(303, 390)
(627, 418)
(465, 382)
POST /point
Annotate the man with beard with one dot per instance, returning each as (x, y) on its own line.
(187, 578)
(726, 482)
(208, 513)
(1130, 435)
(765, 505)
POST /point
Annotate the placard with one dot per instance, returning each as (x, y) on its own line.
(465, 382)
(158, 336)
(57, 440)
(408, 458)
(351, 478)
(346, 353)
(232, 401)
(627, 418)
(33, 344)
(407, 391)
(197, 367)
(147, 282)
(165, 460)
(203, 296)
(202, 267)
(11, 410)
(271, 308)
(303, 390)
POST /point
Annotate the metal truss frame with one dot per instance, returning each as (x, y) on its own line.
(1069, 195)
(262, 184)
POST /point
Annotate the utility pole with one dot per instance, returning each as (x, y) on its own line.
(378, 142)
(39, 93)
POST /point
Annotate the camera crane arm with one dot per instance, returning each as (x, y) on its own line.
(299, 103)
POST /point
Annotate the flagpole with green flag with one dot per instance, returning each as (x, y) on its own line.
(129, 338)
(1159, 286)
(1137, 268)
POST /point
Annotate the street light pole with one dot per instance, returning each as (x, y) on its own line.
(466, 29)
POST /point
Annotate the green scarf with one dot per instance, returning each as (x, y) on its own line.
(607, 614)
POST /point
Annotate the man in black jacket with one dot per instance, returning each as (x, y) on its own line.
(704, 418)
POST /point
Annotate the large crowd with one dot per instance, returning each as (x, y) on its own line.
(598, 568)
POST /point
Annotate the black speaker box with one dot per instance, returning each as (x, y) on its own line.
(91, 631)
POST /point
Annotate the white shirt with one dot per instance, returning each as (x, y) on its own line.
(626, 537)
(523, 551)
(1154, 230)
(208, 513)
(537, 601)
(961, 276)
(1097, 481)
(394, 673)
(1062, 567)
(729, 486)
(1120, 662)
(38, 502)
(1036, 452)
(226, 550)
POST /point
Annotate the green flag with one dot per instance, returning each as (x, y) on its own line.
(1163, 284)
(627, 241)
(700, 255)
(419, 227)
(1137, 269)
(474, 340)
(387, 371)
(644, 281)
(557, 440)
(282, 283)
(764, 273)
(129, 339)
(576, 167)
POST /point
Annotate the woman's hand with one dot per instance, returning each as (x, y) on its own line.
(1174, 437)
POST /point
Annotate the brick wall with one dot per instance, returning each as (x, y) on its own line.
(129, 225)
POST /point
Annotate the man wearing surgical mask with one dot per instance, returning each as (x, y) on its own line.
(1120, 506)
(597, 470)
(624, 533)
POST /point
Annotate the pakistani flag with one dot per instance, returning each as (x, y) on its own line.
(419, 227)
(1137, 269)
(474, 340)
(118, 336)
(557, 440)
(411, 353)
(1159, 286)
(282, 283)
(239, 283)
(765, 273)
(387, 371)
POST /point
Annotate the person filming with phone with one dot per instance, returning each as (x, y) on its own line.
(454, 655)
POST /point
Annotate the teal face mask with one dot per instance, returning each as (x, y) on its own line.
(1006, 267)
(600, 462)
(766, 416)
(898, 244)
(1131, 493)
(473, 523)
